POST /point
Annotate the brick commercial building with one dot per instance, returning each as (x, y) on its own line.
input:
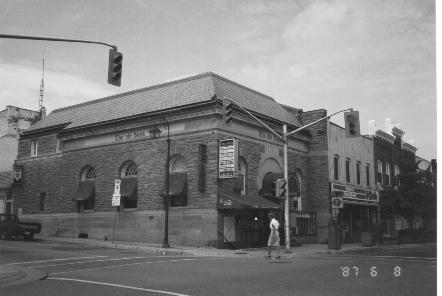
(13, 120)
(393, 157)
(72, 157)
(352, 182)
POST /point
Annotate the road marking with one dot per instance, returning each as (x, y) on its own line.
(120, 265)
(89, 261)
(119, 286)
(34, 249)
(429, 259)
(60, 259)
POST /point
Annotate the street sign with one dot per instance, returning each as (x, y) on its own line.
(116, 200)
(116, 197)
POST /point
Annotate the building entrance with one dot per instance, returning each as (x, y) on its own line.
(356, 219)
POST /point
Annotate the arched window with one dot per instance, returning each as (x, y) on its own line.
(87, 173)
(129, 169)
(367, 174)
(239, 186)
(380, 172)
(85, 195)
(129, 185)
(358, 172)
(336, 167)
(177, 164)
(177, 182)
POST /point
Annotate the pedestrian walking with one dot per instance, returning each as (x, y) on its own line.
(273, 237)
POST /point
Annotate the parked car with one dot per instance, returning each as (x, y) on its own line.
(10, 226)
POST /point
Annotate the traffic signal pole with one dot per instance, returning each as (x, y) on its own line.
(286, 201)
(284, 139)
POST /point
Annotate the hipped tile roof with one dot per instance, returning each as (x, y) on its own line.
(187, 91)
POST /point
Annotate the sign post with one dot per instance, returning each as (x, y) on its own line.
(116, 197)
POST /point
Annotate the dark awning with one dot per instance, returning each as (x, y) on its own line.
(177, 185)
(128, 187)
(233, 201)
(85, 190)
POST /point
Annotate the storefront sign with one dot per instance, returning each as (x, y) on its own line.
(228, 159)
(354, 193)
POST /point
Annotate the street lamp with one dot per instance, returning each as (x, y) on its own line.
(155, 133)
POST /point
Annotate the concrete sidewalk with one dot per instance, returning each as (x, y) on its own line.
(303, 250)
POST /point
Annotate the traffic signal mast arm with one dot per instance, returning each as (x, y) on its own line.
(8, 36)
(316, 121)
(257, 119)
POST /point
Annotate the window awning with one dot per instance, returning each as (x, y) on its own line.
(177, 185)
(85, 190)
(237, 202)
(128, 187)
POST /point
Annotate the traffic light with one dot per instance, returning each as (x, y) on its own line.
(274, 186)
(115, 67)
(281, 187)
(228, 111)
(352, 128)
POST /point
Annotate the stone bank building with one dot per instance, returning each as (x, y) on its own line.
(72, 157)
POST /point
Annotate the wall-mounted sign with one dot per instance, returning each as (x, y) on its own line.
(228, 158)
(354, 193)
(17, 173)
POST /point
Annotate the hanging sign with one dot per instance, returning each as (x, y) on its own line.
(228, 159)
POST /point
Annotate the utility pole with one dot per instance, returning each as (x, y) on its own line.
(284, 139)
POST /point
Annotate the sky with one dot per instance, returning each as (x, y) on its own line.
(377, 57)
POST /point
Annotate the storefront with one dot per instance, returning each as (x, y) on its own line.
(359, 212)
(243, 220)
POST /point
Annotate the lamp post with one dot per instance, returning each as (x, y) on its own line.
(155, 133)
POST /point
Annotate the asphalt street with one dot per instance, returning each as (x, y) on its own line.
(78, 269)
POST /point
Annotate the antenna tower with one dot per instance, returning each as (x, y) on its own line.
(42, 86)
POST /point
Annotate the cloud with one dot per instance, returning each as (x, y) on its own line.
(20, 86)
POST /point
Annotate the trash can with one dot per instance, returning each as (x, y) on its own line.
(334, 236)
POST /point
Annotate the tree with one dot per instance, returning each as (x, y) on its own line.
(415, 197)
